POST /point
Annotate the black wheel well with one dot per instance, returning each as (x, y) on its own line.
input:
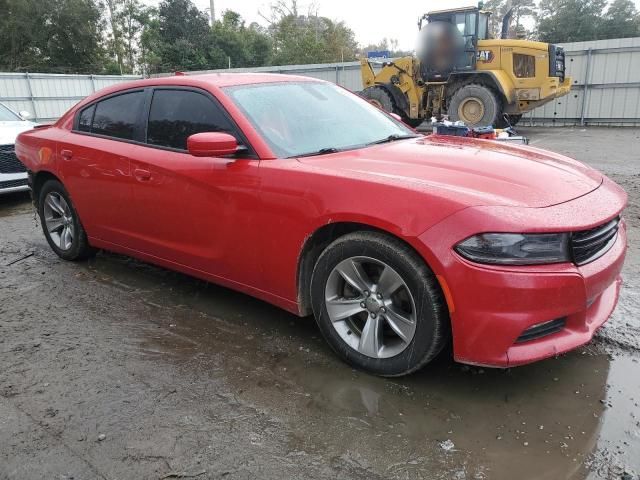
(39, 180)
(315, 245)
(457, 81)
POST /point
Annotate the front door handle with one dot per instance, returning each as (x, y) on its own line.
(142, 175)
(66, 154)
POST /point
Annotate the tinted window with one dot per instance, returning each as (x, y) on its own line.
(177, 114)
(117, 116)
(86, 116)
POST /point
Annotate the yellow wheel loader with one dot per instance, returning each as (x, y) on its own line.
(461, 73)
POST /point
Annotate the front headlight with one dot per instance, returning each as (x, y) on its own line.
(516, 248)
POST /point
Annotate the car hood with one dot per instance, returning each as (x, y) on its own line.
(482, 172)
(10, 130)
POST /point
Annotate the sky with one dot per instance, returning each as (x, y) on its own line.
(371, 20)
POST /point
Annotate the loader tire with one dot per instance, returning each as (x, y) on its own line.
(379, 97)
(475, 105)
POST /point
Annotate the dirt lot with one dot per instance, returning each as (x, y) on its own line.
(114, 369)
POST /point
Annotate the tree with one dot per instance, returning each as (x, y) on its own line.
(522, 10)
(561, 21)
(621, 20)
(181, 37)
(127, 19)
(21, 36)
(74, 36)
(51, 36)
(233, 42)
(308, 38)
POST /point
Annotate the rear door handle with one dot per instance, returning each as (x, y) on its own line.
(66, 154)
(142, 175)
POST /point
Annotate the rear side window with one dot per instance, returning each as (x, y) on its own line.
(86, 117)
(177, 114)
(118, 116)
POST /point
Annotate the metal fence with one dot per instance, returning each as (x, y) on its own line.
(606, 86)
(47, 96)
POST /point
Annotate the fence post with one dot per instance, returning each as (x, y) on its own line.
(33, 101)
(337, 74)
(93, 83)
(585, 90)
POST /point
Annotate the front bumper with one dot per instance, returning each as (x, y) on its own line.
(491, 306)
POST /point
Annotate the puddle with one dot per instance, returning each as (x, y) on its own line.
(447, 421)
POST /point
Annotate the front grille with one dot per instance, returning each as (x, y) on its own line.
(13, 183)
(590, 245)
(542, 330)
(9, 163)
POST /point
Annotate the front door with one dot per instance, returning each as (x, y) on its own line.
(194, 211)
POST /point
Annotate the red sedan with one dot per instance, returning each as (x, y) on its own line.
(302, 194)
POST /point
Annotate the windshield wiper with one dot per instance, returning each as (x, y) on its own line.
(322, 151)
(392, 138)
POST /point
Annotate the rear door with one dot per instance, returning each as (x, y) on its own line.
(190, 210)
(95, 158)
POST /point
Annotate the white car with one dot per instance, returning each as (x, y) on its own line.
(13, 174)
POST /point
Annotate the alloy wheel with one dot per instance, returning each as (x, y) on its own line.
(371, 307)
(58, 219)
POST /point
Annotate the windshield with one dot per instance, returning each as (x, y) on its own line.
(7, 115)
(305, 118)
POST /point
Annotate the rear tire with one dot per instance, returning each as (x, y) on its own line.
(61, 224)
(476, 105)
(391, 292)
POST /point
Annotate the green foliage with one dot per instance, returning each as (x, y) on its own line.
(51, 36)
(622, 20)
(233, 42)
(300, 39)
(580, 20)
(127, 20)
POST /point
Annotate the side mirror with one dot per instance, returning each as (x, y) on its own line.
(212, 144)
(24, 115)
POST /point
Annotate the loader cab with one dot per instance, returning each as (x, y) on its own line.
(470, 24)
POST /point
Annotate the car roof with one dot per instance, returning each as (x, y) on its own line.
(200, 80)
(204, 80)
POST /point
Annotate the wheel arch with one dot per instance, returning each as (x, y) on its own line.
(38, 180)
(493, 80)
(320, 239)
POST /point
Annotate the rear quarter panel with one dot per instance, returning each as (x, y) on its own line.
(36, 149)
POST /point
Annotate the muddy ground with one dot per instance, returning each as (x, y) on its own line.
(115, 369)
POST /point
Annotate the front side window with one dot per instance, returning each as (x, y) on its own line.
(177, 114)
(301, 118)
(118, 116)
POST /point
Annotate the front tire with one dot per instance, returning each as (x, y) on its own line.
(60, 223)
(379, 97)
(378, 305)
(475, 105)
